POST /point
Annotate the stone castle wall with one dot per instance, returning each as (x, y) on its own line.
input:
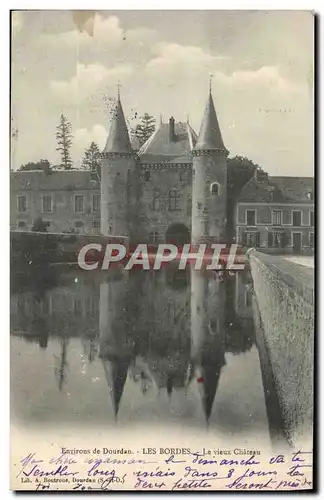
(165, 198)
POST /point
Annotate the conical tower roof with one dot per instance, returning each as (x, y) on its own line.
(212, 361)
(118, 138)
(116, 374)
(210, 136)
(209, 380)
(169, 386)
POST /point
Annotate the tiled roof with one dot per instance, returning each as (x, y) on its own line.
(295, 188)
(165, 160)
(260, 191)
(210, 136)
(277, 189)
(118, 138)
(158, 148)
(56, 180)
(136, 143)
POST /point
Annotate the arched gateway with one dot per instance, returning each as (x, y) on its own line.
(178, 234)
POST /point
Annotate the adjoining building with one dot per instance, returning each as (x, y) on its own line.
(68, 201)
(276, 213)
(174, 188)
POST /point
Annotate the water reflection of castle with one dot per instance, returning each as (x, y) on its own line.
(164, 331)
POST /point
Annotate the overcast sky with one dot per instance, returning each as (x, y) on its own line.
(262, 62)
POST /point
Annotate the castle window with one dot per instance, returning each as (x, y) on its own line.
(275, 239)
(215, 188)
(96, 202)
(47, 203)
(251, 239)
(22, 223)
(277, 217)
(311, 240)
(182, 176)
(96, 223)
(156, 199)
(147, 175)
(174, 197)
(154, 237)
(78, 203)
(311, 219)
(22, 203)
(199, 205)
(248, 239)
(250, 217)
(296, 218)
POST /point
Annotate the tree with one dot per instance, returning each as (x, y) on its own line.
(36, 165)
(145, 128)
(91, 159)
(64, 142)
(239, 172)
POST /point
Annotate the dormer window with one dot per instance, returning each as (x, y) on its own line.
(215, 188)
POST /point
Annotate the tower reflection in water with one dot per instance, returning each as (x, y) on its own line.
(161, 347)
(169, 331)
(207, 354)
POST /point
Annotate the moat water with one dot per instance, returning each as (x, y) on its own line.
(119, 349)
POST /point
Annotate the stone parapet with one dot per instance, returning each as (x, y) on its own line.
(284, 294)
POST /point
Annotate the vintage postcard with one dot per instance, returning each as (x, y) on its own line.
(162, 237)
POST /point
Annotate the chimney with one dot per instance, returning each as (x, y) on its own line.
(260, 175)
(171, 130)
(46, 167)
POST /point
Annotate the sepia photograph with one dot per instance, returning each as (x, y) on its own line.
(162, 240)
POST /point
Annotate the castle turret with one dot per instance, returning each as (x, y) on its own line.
(209, 180)
(117, 167)
(115, 342)
(207, 337)
(116, 374)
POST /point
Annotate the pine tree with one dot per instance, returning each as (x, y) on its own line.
(64, 142)
(146, 128)
(91, 160)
